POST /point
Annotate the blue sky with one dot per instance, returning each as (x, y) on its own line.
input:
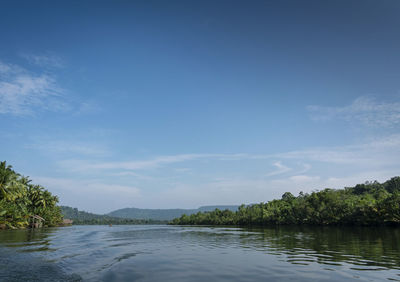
(165, 104)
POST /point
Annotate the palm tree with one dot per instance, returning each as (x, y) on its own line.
(19, 200)
(10, 186)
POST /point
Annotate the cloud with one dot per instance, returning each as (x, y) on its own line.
(9, 69)
(365, 110)
(381, 151)
(147, 164)
(79, 148)
(280, 169)
(22, 93)
(183, 170)
(304, 178)
(247, 190)
(217, 182)
(134, 175)
(44, 60)
(93, 195)
(302, 170)
(137, 165)
(223, 191)
(306, 167)
(88, 107)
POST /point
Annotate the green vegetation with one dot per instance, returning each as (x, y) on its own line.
(371, 203)
(86, 218)
(20, 200)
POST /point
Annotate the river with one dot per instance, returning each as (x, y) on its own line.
(184, 253)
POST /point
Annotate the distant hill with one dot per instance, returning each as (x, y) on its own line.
(82, 217)
(75, 214)
(163, 214)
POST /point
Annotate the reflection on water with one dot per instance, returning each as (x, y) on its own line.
(365, 248)
(171, 253)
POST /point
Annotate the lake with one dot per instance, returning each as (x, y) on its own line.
(180, 253)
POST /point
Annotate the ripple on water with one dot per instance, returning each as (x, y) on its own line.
(34, 268)
(173, 253)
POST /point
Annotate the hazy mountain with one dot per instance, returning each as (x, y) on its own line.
(75, 214)
(82, 217)
(163, 214)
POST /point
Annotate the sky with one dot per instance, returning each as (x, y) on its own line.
(179, 104)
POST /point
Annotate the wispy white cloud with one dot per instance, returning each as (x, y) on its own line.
(70, 147)
(138, 165)
(93, 195)
(183, 170)
(247, 190)
(306, 167)
(9, 69)
(366, 110)
(22, 93)
(302, 170)
(280, 169)
(146, 164)
(382, 151)
(304, 178)
(295, 171)
(88, 107)
(134, 175)
(48, 60)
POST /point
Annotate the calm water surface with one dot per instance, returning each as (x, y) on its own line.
(170, 253)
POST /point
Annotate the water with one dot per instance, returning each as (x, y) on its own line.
(172, 253)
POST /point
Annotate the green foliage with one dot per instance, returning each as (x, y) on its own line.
(19, 200)
(371, 203)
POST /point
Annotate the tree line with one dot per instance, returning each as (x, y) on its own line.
(20, 200)
(371, 203)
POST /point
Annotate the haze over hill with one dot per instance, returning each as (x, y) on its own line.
(135, 213)
(163, 214)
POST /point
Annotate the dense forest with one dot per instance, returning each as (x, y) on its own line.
(20, 200)
(86, 218)
(371, 203)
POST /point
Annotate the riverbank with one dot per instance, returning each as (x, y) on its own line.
(368, 204)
